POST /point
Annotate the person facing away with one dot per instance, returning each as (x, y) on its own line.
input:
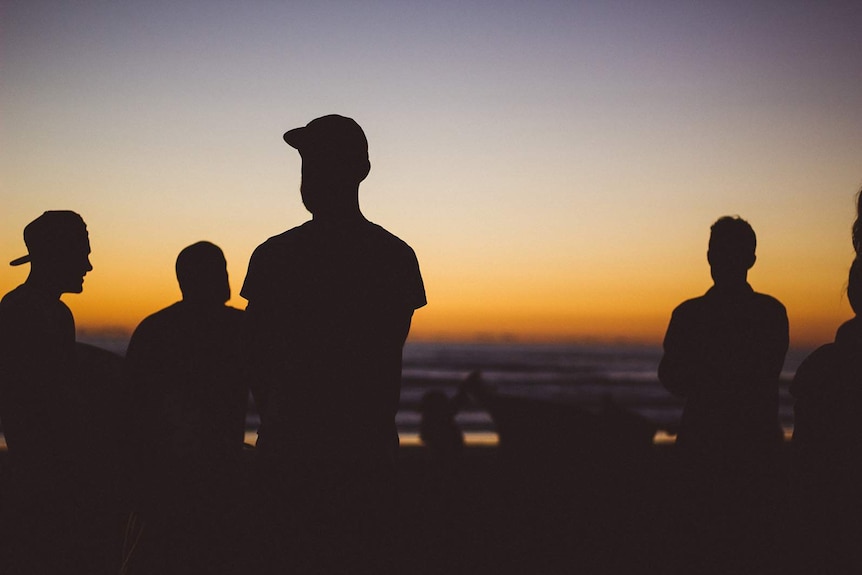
(188, 403)
(183, 364)
(827, 445)
(723, 352)
(41, 405)
(330, 304)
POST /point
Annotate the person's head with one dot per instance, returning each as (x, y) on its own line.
(334, 154)
(732, 244)
(202, 274)
(58, 247)
(854, 286)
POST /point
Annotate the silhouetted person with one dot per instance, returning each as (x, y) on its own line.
(827, 442)
(330, 306)
(438, 431)
(723, 353)
(47, 501)
(188, 407)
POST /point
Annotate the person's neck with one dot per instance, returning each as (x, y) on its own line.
(43, 283)
(346, 214)
(730, 284)
(203, 303)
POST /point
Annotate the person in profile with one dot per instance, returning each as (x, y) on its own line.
(827, 445)
(46, 502)
(723, 353)
(330, 304)
(188, 404)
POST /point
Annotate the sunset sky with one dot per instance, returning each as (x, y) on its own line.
(555, 165)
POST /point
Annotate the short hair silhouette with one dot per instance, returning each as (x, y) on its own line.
(732, 243)
(202, 273)
(723, 353)
(187, 409)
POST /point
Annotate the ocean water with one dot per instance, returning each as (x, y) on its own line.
(585, 375)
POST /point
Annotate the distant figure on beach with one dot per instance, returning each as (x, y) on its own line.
(329, 307)
(827, 442)
(438, 431)
(47, 501)
(188, 403)
(723, 353)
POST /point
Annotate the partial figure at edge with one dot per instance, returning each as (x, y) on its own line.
(52, 499)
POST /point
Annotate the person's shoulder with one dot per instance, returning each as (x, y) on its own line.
(770, 303)
(815, 371)
(279, 248)
(14, 307)
(13, 299)
(29, 304)
(285, 239)
(387, 238)
(159, 319)
(766, 299)
(691, 305)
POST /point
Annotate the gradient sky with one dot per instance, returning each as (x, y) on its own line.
(555, 165)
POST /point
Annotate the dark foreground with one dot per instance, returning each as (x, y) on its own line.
(491, 514)
(599, 515)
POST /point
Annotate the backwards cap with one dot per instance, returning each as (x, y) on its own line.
(333, 136)
(51, 232)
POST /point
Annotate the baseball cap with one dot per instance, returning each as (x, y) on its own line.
(51, 232)
(334, 136)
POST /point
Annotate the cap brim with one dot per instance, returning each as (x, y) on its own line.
(295, 137)
(21, 260)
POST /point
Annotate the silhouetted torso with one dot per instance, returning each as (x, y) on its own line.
(55, 498)
(183, 362)
(188, 401)
(329, 310)
(827, 443)
(828, 392)
(723, 352)
(40, 407)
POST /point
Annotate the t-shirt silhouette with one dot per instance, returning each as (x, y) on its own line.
(329, 310)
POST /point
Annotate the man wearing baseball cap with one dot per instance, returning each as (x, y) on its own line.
(40, 406)
(330, 304)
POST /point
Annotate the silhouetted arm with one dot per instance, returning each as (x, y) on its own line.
(678, 369)
(254, 341)
(777, 344)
